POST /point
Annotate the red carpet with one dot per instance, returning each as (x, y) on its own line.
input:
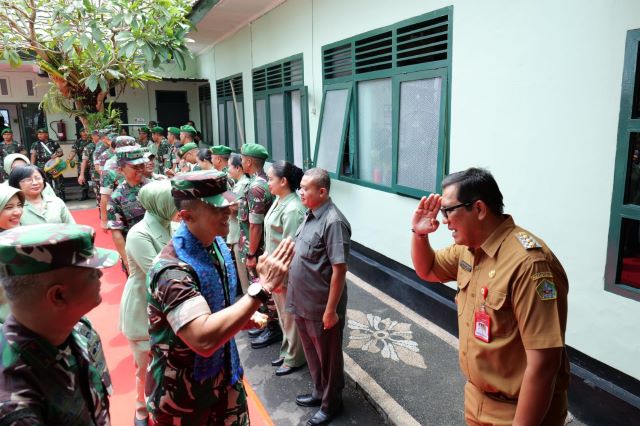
(119, 358)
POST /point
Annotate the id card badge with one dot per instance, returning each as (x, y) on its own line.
(482, 326)
(482, 320)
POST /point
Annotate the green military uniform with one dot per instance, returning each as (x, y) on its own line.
(42, 384)
(87, 154)
(77, 149)
(144, 144)
(14, 147)
(44, 152)
(171, 160)
(183, 387)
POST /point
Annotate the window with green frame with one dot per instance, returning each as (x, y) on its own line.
(230, 111)
(282, 110)
(384, 119)
(622, 275)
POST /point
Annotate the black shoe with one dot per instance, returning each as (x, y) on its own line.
(322, 418)
(268, 337)
(255, 332)
(285, 369)
(307, 400)
(277, 362)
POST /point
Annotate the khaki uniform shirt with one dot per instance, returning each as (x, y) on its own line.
(526, 301)
(54, 210)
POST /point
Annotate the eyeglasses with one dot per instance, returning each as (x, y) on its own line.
(32, 179)
(446, 210)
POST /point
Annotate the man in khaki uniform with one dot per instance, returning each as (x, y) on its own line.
(512, 303)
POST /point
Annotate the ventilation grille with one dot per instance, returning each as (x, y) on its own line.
(284, 74)
(398, 46)
(337, 62)
(204, 92)
(4, 87)
(426, 41)
(31, 89)
(223, 87)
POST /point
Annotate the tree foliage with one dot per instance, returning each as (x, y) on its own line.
(88, 47)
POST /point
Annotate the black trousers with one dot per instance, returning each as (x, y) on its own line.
(323, 350)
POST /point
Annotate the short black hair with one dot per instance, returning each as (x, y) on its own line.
(24, 172)
(236, 160)
(204, 154)
(477, 184)
(293, 173)
(320, 178)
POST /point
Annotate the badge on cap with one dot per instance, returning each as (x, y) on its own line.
(547, 290)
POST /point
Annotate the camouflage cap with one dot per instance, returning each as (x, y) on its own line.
(254, 150)
(188, 129)
(188, 147)
(125, 141)
(34, 249)
(131, 155)
(95, 132)
(174, 130)
(157, 129)
(209, 186)
(221, 150)
(104, 132)
(6, 130)
(113, 136)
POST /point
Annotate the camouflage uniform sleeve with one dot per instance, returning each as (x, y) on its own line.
(257, 204)
(115, 215)
(179, 298)
(20, 413)
(107, 181)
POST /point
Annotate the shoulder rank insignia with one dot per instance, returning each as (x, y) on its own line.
(527, 241)
(547, 290)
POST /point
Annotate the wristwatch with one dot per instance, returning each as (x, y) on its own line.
(256, 291)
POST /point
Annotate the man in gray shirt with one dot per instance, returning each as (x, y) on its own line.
(317, 293)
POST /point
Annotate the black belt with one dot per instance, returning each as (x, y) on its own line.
(497, 396)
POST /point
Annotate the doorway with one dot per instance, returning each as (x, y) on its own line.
(172, 108)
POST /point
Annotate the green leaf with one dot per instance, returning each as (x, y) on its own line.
(84, 41)
(67, 45)
(179, 60)
(104, 85)
(92, 82)
(123, 36)
(148, 52)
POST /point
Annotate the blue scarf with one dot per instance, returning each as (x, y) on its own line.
(190, 250)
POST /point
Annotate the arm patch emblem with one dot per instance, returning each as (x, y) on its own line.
(547, 290)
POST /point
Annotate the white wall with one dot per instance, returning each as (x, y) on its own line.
(535, 96)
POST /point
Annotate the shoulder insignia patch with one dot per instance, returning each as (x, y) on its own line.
(464, 265)
(547, 290)
(539, 275)
(527, 241)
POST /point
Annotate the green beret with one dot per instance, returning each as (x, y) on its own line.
(144, 129)
(131, 155)
(157, 129)
(42, 130)
(209, 186)
(7, 130)
(255, 150)
(174, 130)
(221, 150)
(34, 249)
(188, 147)
(188, 129)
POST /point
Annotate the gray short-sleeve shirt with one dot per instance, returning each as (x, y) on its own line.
(323, 240)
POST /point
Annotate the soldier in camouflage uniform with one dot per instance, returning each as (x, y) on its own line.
(194, 376)
(124, 210)
(42, 151)
(9, 146)
(109, 176)
(144, 135)
(77, 150)
(256, 203)
(87, 169)
(161, 148)
(173, 138)
(52, 367)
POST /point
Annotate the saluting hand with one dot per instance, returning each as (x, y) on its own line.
(272, 268)
(424, 219)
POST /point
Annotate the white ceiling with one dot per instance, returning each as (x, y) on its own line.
(225, 19)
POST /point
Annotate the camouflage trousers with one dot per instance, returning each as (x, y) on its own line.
(85, 186)
(57, 184)
(230, 409)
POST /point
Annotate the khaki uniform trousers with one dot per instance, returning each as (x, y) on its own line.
(483, 410)
(291, 349)
(140, 349)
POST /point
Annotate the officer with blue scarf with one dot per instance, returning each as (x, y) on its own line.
(195, 376)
